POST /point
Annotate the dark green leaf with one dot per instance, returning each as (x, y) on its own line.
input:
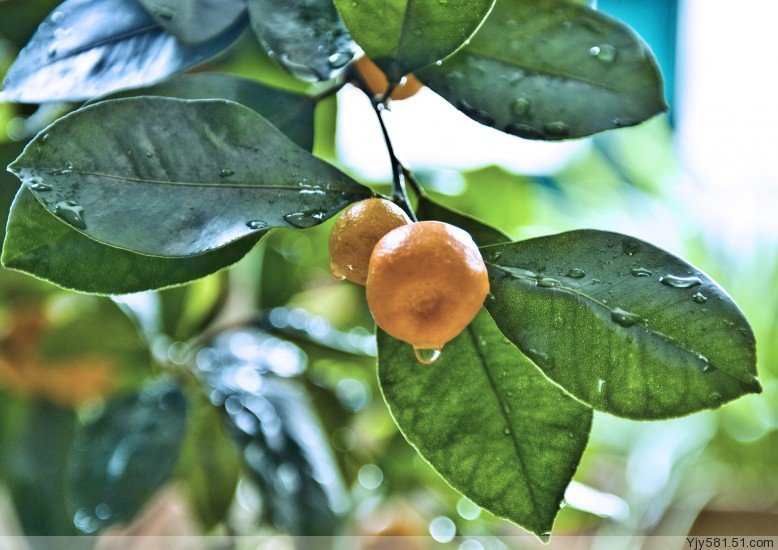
(306, 37)
(404, 35)
(9, 185)
(172, 177)
(550, 69)
(289, 112)
(209, 465)
(195, 21)
(32, 465)
(622, 325)
(488, 421)
(271, 418)
(482, 234)
(122, 457)
(44, 246)
(87, 48)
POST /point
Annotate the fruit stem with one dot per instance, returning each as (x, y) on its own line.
(399, 173)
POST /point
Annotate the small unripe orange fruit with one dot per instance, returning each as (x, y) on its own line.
(426, 283)
(378, 83)
(356, 233)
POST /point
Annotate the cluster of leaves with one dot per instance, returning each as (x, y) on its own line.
(190, 173)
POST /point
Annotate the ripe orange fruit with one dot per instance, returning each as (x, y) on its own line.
(356, 233)
(378, 83)
(425, 284)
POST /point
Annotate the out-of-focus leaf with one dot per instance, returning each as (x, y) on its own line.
(404, 35)
(482, 234)
(32, 465)
(195, 21)
(488, 421)
(290, 112)
(20, 18)
(306, 37)
(44, 246)
(121, 457)
(270, 417)
(622, 325)
(173, 177)
(87, 48)
(551, 69)
(209, 465)
(9, 185)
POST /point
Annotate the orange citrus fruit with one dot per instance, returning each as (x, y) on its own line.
(378, 83)
(425, 284)
(356, 233)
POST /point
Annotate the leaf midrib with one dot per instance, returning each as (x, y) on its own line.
(650, 331)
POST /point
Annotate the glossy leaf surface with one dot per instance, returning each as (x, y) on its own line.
(306, 37)
(121, 457)
(87, 48)
(551, 69)
(622, 325)
(174, 177)
(46, 247)
(488, 421)
(195, 21)
(404, 35)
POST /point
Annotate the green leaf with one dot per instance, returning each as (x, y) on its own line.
(9, 185)
(488, 421)
(195, 21)
(33, 463)
(209, 465)
(119, 459)
(550, 69)
(404, 35)
(622, 325)
(172, 177)
(44, 246)
(290, 112)
(86, 48)
(482, 234)
(306, 37)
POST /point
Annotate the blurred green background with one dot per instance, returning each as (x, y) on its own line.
(87, 382)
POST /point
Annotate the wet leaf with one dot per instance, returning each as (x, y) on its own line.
(172, 177)
(404, 35)
(86, 48)
(195, 21)
(488, 421)
(618, 323)
(551, 69)
(306, 37)
(120, 458)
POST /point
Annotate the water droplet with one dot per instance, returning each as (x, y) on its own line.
(548, 282)
(426, 356)
(256, 224)
(226, 173)
(556, 128)
(624, 318)
(340, 59)
(507, 431)
(540, 358)
(604, 52)
(56, 17)
(476, 114)
(149, 154)
(545, 537)
(680, 282)
(700, 298)
(524, 131)
(44, 138)
(71, 213)
(520, 106)
(576, 273)
(304, 220)
(52, 52)
(600, 385)
(641, 272)
(41, 187)
(442, 2)
(336, 272)
(715, 399)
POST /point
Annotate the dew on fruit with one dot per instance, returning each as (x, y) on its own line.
(427, 356)
(680, 282)
(641, 272)
(624, 318)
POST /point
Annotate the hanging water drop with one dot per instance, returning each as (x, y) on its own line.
(426, 356)
(700, 298)
(624, 318)
(641, 272)
(576, 273)
(680, 282)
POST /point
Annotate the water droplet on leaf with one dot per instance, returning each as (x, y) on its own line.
(304, 220)
(576, 273)
(624, 318)
(604, 52)
(700, 298)
(680, 282)
(226, 173)
(556, 128)
(71, 213)
(256, 224)
(41, 187)
(520, 106)
(548, 282)
(641, 272)
(340, 59)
